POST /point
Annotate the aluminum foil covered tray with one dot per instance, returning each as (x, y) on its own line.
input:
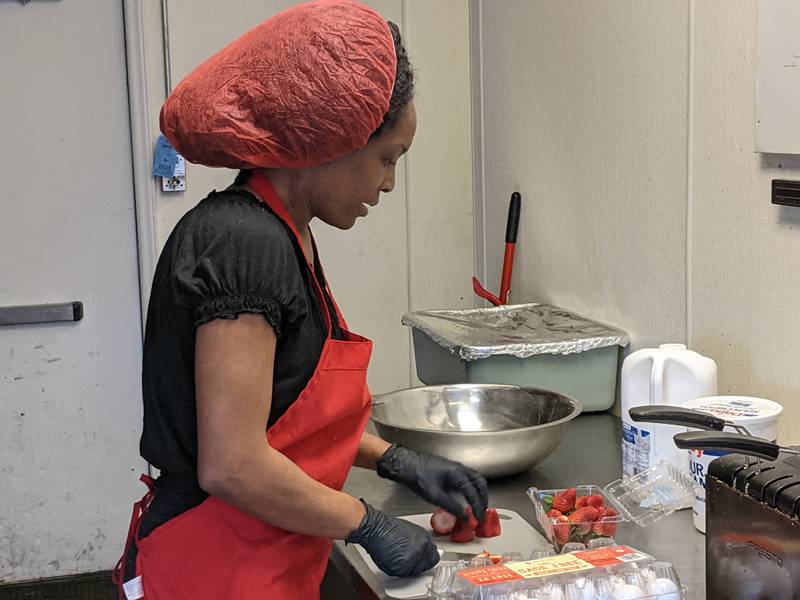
(521, 330)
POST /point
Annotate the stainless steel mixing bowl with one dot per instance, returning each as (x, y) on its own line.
(495, 429)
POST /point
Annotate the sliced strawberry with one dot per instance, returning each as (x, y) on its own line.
(565, 501)
(584, 517)
(490, 526)
(464, 531)
(597, 501)
(561, 530)
(442, 522)
(582, 501)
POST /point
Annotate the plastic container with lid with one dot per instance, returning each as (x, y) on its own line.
(528, 345)
(668, 375)
(643, 499)
(758, 415)
(614, 573)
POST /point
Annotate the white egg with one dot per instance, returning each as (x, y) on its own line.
(665, 586)
(629, 592)
(587, 591)
(648, 574)
(557, 593)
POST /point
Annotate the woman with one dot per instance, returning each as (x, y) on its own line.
(243, 336)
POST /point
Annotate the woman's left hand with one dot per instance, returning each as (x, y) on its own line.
(441, 482)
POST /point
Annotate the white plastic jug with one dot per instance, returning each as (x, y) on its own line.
(669, 374)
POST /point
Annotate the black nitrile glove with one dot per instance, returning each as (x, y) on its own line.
(441, 482)
(398, 547)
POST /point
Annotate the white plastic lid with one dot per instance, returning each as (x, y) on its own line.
(745, 410)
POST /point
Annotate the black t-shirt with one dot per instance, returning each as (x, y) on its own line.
(228, 255)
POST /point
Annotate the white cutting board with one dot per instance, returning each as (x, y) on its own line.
(517, 535)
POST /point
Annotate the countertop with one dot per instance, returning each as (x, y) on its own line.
(589, 453)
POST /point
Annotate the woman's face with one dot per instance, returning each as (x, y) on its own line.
(344, 188)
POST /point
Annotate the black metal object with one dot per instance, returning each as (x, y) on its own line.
(41, 313)
(752, 528)
(676, 415)
(785, 192)
(727, 442)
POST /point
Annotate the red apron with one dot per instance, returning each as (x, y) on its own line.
(215, 551)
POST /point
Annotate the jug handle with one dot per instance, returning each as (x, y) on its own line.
(657, 381)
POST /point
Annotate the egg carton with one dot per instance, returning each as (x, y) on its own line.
(606, 573)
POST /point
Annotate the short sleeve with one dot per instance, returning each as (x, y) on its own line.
(236, 257)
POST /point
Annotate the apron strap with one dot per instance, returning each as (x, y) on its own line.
(139, 508)
(269, 196)
(339, 317)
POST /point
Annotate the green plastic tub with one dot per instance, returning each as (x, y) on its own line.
(531, 345)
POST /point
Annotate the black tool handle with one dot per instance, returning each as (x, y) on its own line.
(727, 442)
(514, 209)
(676, 415)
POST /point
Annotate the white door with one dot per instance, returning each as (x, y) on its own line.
(70, 404)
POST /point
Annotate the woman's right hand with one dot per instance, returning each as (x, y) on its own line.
(398, 547)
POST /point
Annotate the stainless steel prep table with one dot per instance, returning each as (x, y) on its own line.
(589, 453)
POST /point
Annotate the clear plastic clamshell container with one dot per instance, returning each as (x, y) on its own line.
(614, 573)
(643, 499)
(652, 494)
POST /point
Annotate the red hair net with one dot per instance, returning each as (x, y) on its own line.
(307, 86)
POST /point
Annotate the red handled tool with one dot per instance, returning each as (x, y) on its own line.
(512, 227)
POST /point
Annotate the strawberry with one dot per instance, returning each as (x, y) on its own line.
(565, 501)
(495, 558)
(584, 517)
(604, 529)
(442, 522)
(561, 530)
(582, 501)
(597, 501)
(464, 531)
(605, 525)
(490, 526)
(553, 513)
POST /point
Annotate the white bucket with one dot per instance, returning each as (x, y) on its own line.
(758, 415)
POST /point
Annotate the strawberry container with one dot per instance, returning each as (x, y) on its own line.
(644, 499)
(559, 533)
